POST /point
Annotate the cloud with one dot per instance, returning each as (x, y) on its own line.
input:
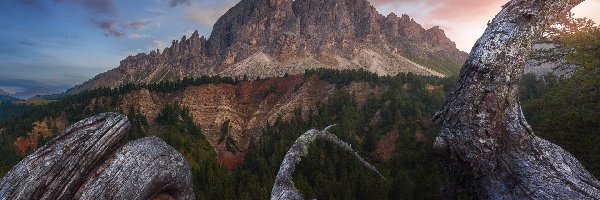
(138, 36)
(109, 26)
(29, 2)
(136, 24)
(188, 32)
(157, 44)
(26, 42)
(155, 10)
(379, 2)
(208, 16)
(119, 29)
(449, 10)
(105, 7)
(174, 3)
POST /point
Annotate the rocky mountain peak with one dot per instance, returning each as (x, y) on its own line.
(438, 38)
(270, 38)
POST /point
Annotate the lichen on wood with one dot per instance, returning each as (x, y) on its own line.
(485, 144)
(284, 185)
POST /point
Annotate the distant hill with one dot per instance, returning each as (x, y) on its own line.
(34, 92)
(2, 92)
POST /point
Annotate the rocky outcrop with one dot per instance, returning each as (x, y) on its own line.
(485, 144)
(90, 161)
(248, 106)
(269, 38)
(284, 189)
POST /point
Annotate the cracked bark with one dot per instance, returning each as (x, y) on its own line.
(89, 161)
(284, 185)
(485, 144)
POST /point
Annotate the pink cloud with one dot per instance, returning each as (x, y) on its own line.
(462, 10)
(449, 9)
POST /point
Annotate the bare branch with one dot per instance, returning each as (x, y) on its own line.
(284, 185)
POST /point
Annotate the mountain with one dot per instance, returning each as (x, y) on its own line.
(270, 38)
(5, 96)
(31, 92)
(2, 92)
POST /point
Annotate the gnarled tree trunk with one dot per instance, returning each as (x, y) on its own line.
(485, 144)
(90, 161)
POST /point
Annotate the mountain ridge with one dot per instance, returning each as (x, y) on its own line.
(262, 38)
(35, 91)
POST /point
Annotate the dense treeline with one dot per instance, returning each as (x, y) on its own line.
(345, 77)
(8, 109)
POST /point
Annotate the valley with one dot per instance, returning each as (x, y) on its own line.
(220, 115)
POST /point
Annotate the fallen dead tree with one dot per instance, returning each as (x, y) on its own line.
(485, 144)
(90, 161)
(284, 185)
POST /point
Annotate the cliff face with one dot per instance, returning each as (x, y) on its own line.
(269, 38)
(248, 106)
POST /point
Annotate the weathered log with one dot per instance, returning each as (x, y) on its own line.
(485, 144)
(90, 161)
(140, 170)
(284, 189)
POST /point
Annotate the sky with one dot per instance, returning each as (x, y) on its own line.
(61, 43)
